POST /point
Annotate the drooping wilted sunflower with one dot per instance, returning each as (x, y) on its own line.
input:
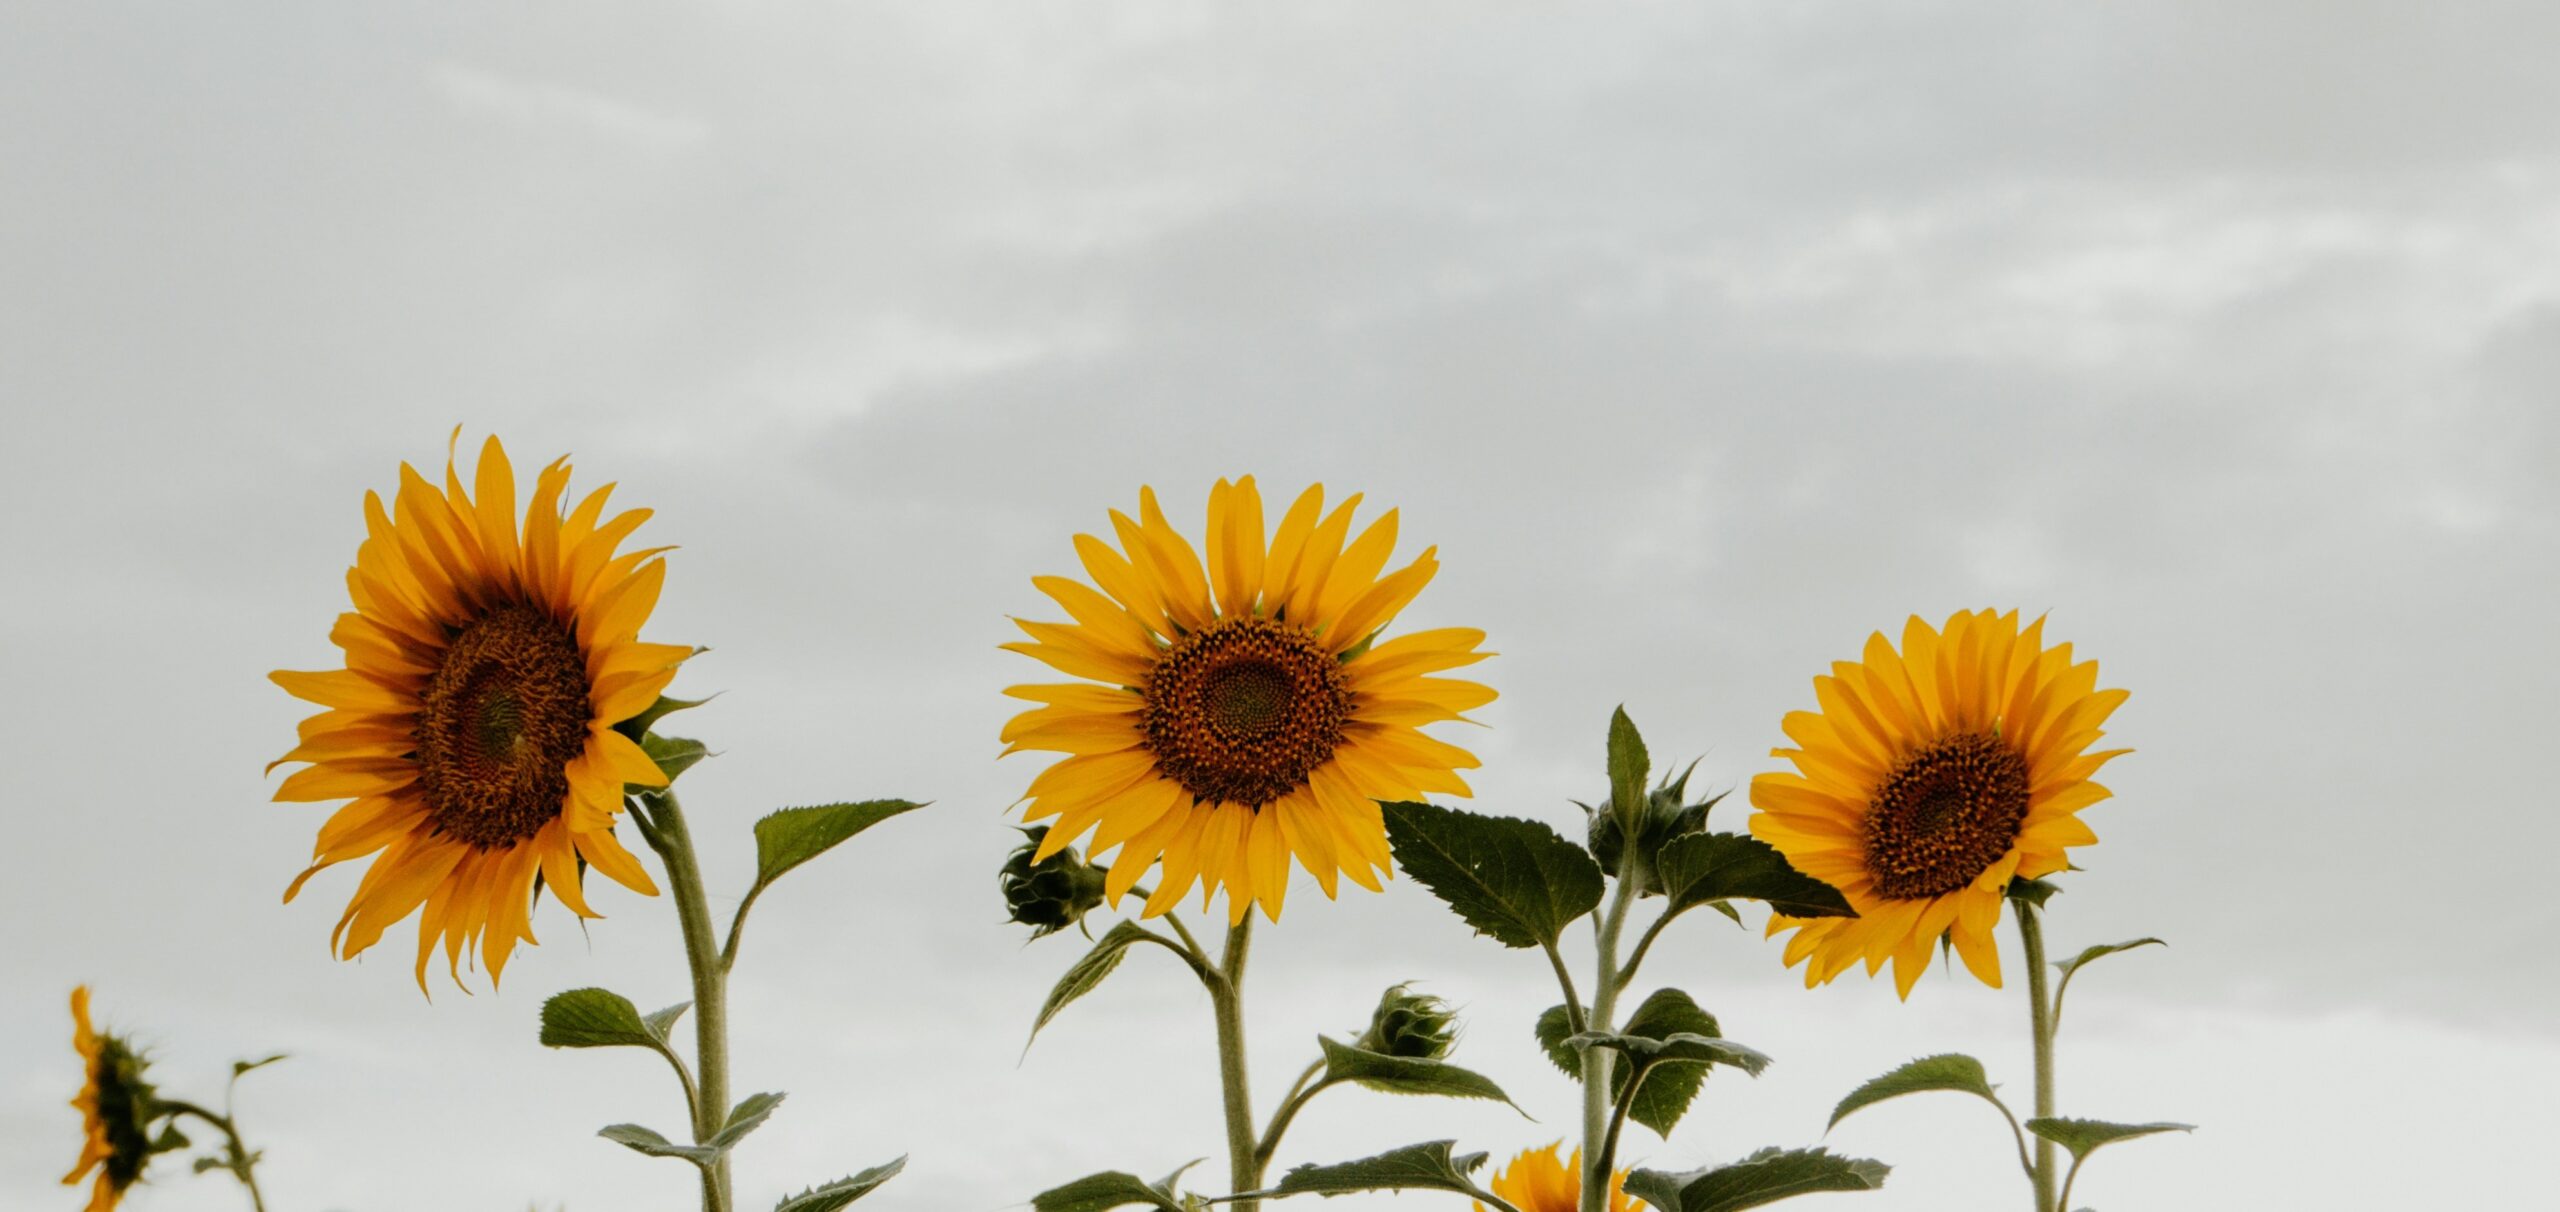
(116, 1106)
(1930, 777)
(473, 725)
(1245, 713)
(1536, 1181)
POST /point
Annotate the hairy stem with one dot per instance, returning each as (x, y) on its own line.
(1599, 1063)
(2040, 1020)
(1226, 998)
(702, 948)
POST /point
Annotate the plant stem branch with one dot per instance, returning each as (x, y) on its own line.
(1564, 980)
(239, 1162)
(1598, 1063)
(2040, 1020)
(1300, 1094)
(674, 844)
(1226, 998)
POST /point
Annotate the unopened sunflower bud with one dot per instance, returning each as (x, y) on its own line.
(1665, 817)
(1051, 894)
(1416, 1026)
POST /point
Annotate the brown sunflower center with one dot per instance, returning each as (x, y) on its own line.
(504, 715)
(1945, 815)
(1241, 711)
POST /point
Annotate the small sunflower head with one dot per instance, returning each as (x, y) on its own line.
(1049, 894)
(1416, 1026)
(117, 1107)
(1665, 816)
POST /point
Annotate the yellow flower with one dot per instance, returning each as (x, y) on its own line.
(473, 724)
(1536, 1182)
(115, 1107)
(1930, 777)
(1244, 713)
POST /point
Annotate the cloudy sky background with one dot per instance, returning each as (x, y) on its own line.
(1703, 340)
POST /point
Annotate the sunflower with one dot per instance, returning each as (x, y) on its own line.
(115, 1106)
(1929, 779)
(473, 724)
(1245, 713)
(1536, 1182)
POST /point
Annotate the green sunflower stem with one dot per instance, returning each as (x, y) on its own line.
(237, 1157)
(1598, 1063)
(2040, 1018)
(674, 844)
(1226, 998)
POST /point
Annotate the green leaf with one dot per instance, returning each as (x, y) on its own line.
(1629, 766)
(837, 1194)
(2083, 1136)
(1088, 972)
(1554, 1028)
(673, 754)
(240, 1067)
(793, 836)
(2073, 965)
(1425, 1167)
(633, 1136)
(1709, 868)
(1110, 1189)
(1406, 1075)
(1668, 1088)
(1518, 881)
(1679, 1046)
(1764, 1177)
(595, 1018)
(746, 1117)
(1944, 1071)
(661, 1022)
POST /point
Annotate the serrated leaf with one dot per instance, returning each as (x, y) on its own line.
(595, 1018)
(1709, 868)
(793, 836)
(1943, 1071)
(661, 1022)
(673, 754)
(1668, 1089)
(1764, 1177)
(2084, 1136)
(1088, 972)
(1518, 881)
(240, 1067)
(1629, 766)
(1104, 1191)
(635, 1137)
(1406, 1074)
(1429, 1166)
(1553, 1029)
(843, 1191)
(746, 1117)
(1677, 1047)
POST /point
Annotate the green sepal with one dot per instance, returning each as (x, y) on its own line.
(169, 1138)
(1430, 1166)
(2033, 892)
(793, 836)
(835, 1195)
(1711, 868)
(638, 726)
(1765, 1177)
(1112, 1189)
(661, 1022)
(2085, 1136)
(1944, 1071)
(673, 754)
(243, 1066)
(1407, 1074)
(1088, 972)
(1518, 881)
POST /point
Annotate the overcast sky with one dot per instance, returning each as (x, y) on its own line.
(1702, 339)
